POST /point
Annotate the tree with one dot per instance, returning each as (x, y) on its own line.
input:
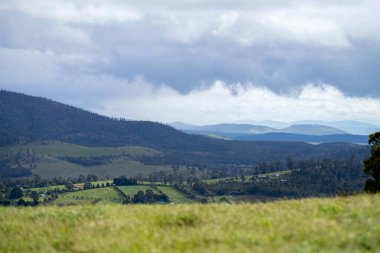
(21, 202)
(69, 186)
(123, 181)
(16, 193)
(87, 185)
(139, 197)
(35, 196)
(92, 178)
(127, 200)
(372, 165)
(149, 195)
(200, 188)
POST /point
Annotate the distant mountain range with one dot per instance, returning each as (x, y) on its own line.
(25, 119)
(311, 130)
(224, 128)
(349, 126)
(306, 131)
(359, 139)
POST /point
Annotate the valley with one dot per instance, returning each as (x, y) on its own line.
(189, 126)
(49, 144)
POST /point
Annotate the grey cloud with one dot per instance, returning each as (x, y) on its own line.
(186, 46)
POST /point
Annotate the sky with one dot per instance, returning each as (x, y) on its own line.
(200, 61)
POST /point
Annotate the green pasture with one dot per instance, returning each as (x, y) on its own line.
(344, 224)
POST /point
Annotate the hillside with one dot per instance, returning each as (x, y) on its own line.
(58, 159)
(25, 118)
(362, 139)
(235, 128)
(28, 122)
(350, 126)
(345, 224)
(312, 129)
(312, 133)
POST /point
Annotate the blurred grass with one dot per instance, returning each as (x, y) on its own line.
(344, 224)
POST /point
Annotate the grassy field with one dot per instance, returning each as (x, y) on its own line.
(45, 189)
(60, 187)
(175, 196)
(49, 164)
(133, 189)
(244, 198)
(346, 224)
(246, 178)
(57, 148)
(107, 194)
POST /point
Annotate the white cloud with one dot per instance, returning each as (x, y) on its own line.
(231, 103)
(181, 28)
(44, 74)
(90, 11)
(226, 21)
(306, 30)
(69, 34)
(90, 53)
(308, 23)
(292, 25)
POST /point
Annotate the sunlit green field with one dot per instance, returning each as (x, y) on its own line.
(60, 187)
(47, 188)
(350, 224)
(133, 189)
(108, 194)
(50, 165)
(246, 178)
(175, 196)
(57, 148)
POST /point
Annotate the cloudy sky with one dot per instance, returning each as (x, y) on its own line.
(205, 61)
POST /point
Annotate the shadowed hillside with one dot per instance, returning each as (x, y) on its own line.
(25, 118)
(29, 119)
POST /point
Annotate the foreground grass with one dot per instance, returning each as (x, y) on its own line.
(314, 225)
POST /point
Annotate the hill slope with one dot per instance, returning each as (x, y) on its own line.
(26, 119)
(350, 126)
(313, 129)
(349, 224)
(362, 139)
(314, 133)
(234, 128)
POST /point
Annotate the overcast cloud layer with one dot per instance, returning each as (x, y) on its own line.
(197, 61)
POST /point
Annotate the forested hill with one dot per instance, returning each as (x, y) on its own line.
(26, 119)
